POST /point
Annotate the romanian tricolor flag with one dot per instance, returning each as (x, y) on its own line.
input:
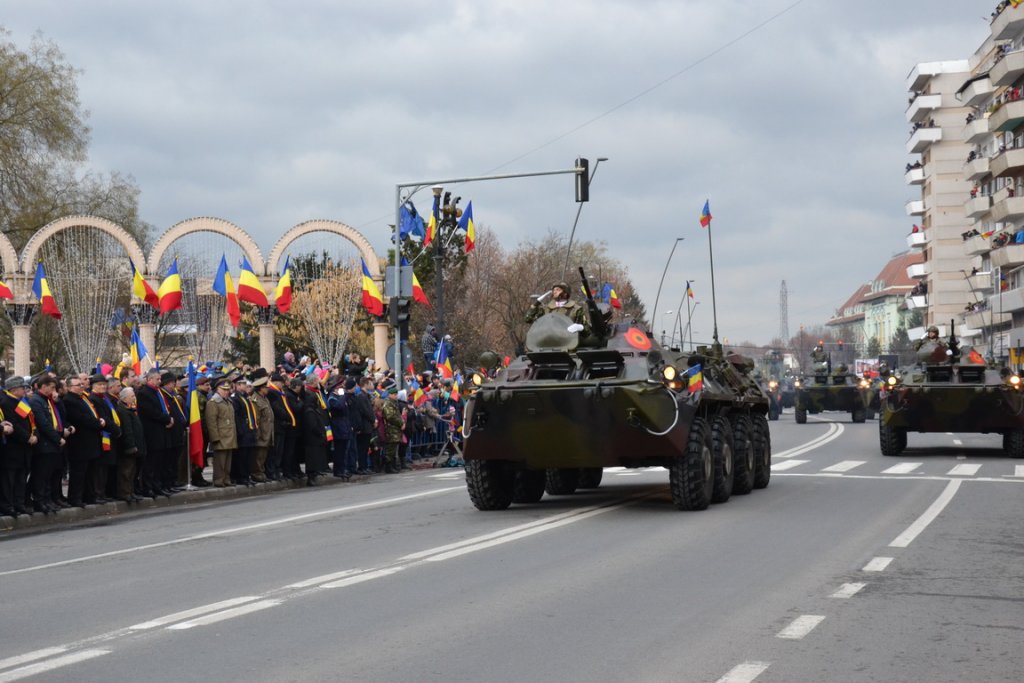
(137, 352)
(444, 366)
(689, 289)
(169, 294)
(696, 381)
(249, 288)
(42, 291)
(196, 447)
(466, 223)
(283, 291)
(223, 285)
(23, 409)
(1016, 3)
(417, 290)
(105, 441)
(608, 294)
(455, 395)
(372, 299)
(419, 397)
(143, 289)
(5, 291)
(435, 220)
(705, 214)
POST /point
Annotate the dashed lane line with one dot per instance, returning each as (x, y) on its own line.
(31, 657)
(877, 564)
(801, 626)
(194, 612)
(744, 673)
(964, 470)
(51, 664)
(1018, 471)
(927, 517)
(903, 468)
(848, 590)
(788, 465)
(239, 611)
(844, 466)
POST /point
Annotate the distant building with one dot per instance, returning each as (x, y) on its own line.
(880, 307)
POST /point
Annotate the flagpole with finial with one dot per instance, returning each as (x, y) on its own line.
(705, 221)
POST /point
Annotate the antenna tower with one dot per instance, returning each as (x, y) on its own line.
(783, 313)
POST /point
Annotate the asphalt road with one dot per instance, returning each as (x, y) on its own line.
(850, 566)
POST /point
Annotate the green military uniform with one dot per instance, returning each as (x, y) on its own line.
(921, 342)
(392, 414)
(566, 306)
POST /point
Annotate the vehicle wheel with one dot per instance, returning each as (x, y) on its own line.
(891, 440)
(800, 414)
(692, 474)
(1013, 442)
(859, 415)
(590, 477)
(762, 438)
(562, 482)
(528, 486)
(744, 461)
(490, 483)
(724, 447)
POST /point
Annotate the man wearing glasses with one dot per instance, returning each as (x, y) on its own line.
(83, 445)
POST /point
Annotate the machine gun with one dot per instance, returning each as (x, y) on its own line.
(597, 322)
(953, 345)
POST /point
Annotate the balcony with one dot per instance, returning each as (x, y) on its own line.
(918, 270)
(977, 169)
(1003, 163)
(1010, 256)
(915, 207)
(1008, 69)
(922, 139)
(915, 176)
(1009, 209)
(919, 301)
(980, 282)
(977, 92)
(916, 240)
(976, 131)
(1008, 24)
(923, 106)
(977, 245)
(977, 206)
(986, 318)
(1008, 116)
(1007, 301)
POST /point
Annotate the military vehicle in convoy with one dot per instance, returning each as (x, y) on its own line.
(827, 389)
(950, 391)
(564, 410)
(773, 390)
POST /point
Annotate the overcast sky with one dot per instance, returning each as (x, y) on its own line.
(271, 113)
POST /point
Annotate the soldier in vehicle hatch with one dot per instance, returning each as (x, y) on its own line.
(560, 303)
(818, 355)
(932, 335)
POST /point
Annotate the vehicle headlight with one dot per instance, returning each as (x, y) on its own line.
(796, 383)
(772, 384)
(892, 380)
(669, 373)
(1014, 381)
(478, 379)
(864, 384)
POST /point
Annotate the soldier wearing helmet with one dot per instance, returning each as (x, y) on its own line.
(932, 335)
(560, 302)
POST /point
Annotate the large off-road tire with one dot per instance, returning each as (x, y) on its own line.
(859, 415)
(692, 474)
(590, 477)
(744, 460)
(724, 448)
(800, 414)
(891, 440)
(562, 482)
(490, 483)
(762, 452)
(1013, 443)
(528, 486)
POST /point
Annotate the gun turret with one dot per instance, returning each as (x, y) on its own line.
(953, 345)
(597, 322)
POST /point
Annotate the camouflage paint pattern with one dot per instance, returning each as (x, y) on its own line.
(987, 405)
(818, 393)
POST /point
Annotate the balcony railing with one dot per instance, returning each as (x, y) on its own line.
(1006, 302)
(977, 169)
(918, 270)
(917, 301)
(1008, 69)
(1004, 162)
(977, 92)
(978, 206)
(976, 131)
(922, 138)
(915, 176)
(985, 318)
(1009, 209)
(916, 240)
(977, 245)
(1008, 24)
(1010, 256)
(915, 207)
(1007, 116)
(980, 282)
(922, 107)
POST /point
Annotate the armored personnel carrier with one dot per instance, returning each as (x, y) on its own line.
(828, 389)
(564, 410)
(947, 391)
(773, 390)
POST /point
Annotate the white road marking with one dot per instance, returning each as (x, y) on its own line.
(844, 466)
(194, 612)
(929, 515)
(51, 664)
(448, 475)
(834, 431)
(235, 530)
(226, 614)
(958, 442)
(909, 477)
(848, 590)
(628, 474)
(744, 673)
(903, 468)
(317, 580)
(1018, 471)
(788, 465)
(877, 564)
(964, 470)
(31, 657)
(800, 627)
(365, 576)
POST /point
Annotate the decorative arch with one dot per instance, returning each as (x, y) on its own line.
(8, 256)
(206, 224)
(323, 225)
(35, 243)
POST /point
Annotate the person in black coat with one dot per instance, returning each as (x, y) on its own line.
(316, 430)
(108, 437)
(287, 415)
(51, 432)
(16, 452)
(132, 448)
(246, 427)
(341, 412)
(173, 473)
(364, 422)
(155, 415)
(84, 446)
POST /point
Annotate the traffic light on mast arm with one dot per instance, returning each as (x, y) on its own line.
(398, 315)
(582, 180)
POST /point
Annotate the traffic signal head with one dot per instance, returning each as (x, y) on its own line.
(582, 180)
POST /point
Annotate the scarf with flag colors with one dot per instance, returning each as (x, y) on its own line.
(5, 291)
(249, 288)
(435, 220)
(41, 289)
(137, 351)
(466, 224)
(372, 299)
(223, 285)
(418, 294)
(705, 214)
(169, 293)
(283, 291)
(143, 289)
(196, 447)
(696, 379)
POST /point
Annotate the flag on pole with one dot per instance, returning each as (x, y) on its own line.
(169, 293)
(705, 214)
(41, 289)
(195, 425)
(137, 351)
(455, 395)
(249, 288)
(466, 223)
(223, 285)
(444, 366)
(435, 220)
(5, 291)
(689, 289)
(417, 290)
(283, 291)
(410, 223)
(372, 299)
(143, 289)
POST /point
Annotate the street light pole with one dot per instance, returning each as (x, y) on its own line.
(668, 261)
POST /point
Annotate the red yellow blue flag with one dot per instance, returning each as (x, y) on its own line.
(249, 288)
(466, 223)
(42, 291)
(143, 289)
(223, 285)
(705, 214)
(372, 299)
(169, 293)
(696, 379)
(283, 291)
(689, 289)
